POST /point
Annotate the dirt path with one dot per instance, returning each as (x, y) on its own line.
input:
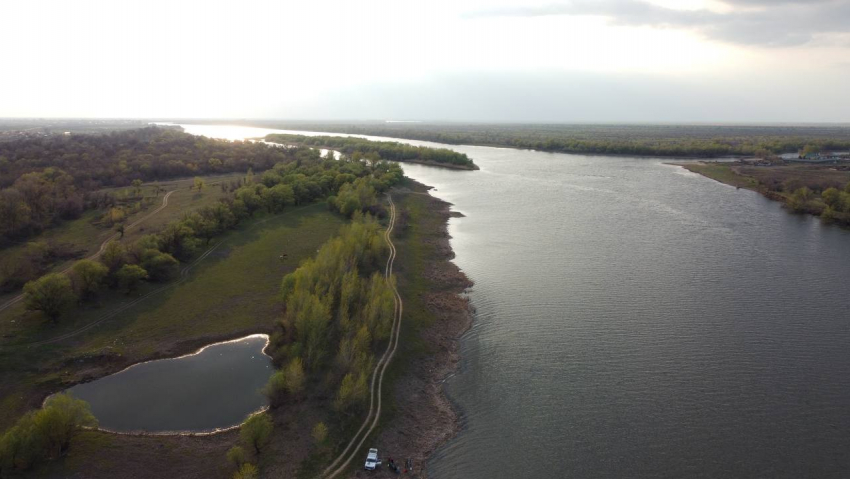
(100, 251)
(374, 413)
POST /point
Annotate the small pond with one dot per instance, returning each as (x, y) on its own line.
(214, 388)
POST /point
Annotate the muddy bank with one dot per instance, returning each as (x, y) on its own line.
(423, 418)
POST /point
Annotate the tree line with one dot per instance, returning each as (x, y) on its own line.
(44, 181)
(831, 204)
(338, 308)
(387, 150)
(703, 141)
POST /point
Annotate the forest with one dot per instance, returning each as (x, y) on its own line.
(46, 180)
(387, 150)
(702, 141)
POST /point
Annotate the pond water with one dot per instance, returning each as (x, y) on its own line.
(215, 388)
(637, 320)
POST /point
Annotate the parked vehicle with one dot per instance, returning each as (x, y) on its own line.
(372, 460)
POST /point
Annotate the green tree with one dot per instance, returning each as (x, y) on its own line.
(320, 433)
(199, 184)
(236, 455)
(256, 431)
(130, 275)
(51, 294)
(294, 374)
(89, 276)
(45, 433)
(800, 199)
(247, 471)
(61, 418)
(832, 197)
(137, 186)
(275, 389)
(114, 256)
(159, 266)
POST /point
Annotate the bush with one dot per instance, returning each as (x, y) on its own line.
(236, 455)
(247, 471)
(256, 431)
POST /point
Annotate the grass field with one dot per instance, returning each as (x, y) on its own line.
(232, 292)
(722, 172)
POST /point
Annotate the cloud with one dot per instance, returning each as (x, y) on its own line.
(750, 22)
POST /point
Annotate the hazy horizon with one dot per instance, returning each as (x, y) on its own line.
(498, 61)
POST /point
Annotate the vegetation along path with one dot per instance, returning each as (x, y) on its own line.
(184, 275)
(378, 375)
(164, 204)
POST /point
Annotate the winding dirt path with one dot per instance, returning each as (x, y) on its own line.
(102, 248)
(378, 375)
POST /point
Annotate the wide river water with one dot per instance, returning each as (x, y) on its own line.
(637, 320)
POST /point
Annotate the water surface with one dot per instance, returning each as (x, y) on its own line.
(215, 388)
(637, 320)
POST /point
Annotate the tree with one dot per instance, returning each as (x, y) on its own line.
(247, 471)
(159, 265)
(320, 433)
(130, 275)
(255, 432)
(294, 374)
(236, 455)
(119, 228)
(275, 389)
(45, 433)
(352, 392)
(61, 418)
(832, 197)
(199, 184)
(51, 294)
(89, 275)
(137, 186)
(114, 256)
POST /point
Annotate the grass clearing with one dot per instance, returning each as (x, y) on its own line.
(231, 292)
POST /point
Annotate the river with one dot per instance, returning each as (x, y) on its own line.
(637, 320)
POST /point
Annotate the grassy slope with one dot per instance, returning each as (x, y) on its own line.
(231, 293)
(722, 172)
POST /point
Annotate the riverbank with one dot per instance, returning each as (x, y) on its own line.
(420, 417)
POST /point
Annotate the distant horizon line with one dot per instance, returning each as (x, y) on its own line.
(432, 121)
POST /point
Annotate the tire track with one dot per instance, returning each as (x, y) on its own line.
(378, 374)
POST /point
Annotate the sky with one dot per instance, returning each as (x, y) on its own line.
(450, 60)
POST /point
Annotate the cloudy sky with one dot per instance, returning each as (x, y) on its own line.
(457, 60)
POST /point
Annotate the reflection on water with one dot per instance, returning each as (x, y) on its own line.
(633, 321)
(217, 387)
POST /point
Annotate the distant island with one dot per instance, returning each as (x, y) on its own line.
(387, 150)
